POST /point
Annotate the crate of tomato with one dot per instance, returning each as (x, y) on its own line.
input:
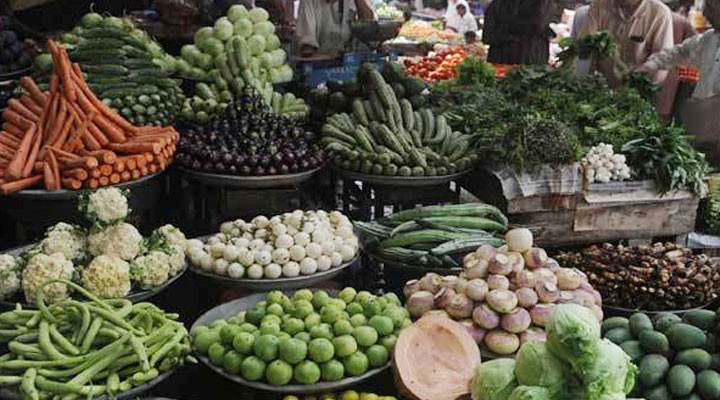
(436, 66)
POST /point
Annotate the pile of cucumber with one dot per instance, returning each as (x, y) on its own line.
(124, 67)
(386, 136)
(677, 357)
(433, 236)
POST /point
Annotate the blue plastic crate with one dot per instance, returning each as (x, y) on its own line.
(342, 69)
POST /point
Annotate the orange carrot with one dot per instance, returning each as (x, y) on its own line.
(72, 184)
(106, 169)
(106, 156)
(20, 184)
(28, 102)
(57, 125)
(10, 115)
(136, 174)
(149, 157)
(16, 167)
(48, 177)
(113, 132)
(152, 168)
(54, 85)
(55, 167)
(66, 74)
(7, 149)
(51, 114)
(125, 176)
(64, 132)
(144, 171)
(92, 183)
(30, 162)
(104, 108)
(90, 142)
(13, 130)
(119, 165)
(19, 108)
(84, 162)
(141, 161)
(104, 181)
(135, 147)
(80, 131)
(115, 178)
(77, 173)
(98, 134)
(6, 154)
(37, 95)
(95, 173)
(64, 154)
(130, 162)
(9, 140)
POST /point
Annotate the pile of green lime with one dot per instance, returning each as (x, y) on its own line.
(305, 339)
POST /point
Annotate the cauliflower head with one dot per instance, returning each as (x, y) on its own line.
(9, 276)
(42, 268)
(177, 259)
(66, 239)
(122, 240)
(173, 236)
(108, 205)
(152, 269)
(107, 276)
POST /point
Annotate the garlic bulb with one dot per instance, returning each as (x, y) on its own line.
(603, 165)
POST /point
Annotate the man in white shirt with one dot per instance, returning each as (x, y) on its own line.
(463, 21)
(323, 26)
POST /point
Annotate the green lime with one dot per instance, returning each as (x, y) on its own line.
(271, 318)
(377, 355)
(255, 315)
(363, 296)
(392, 298)
(312, 320)
(252, 368)
(347, 295)
(321, 331)
(293, 326)
(228, 332)
(304, 336)
(248, 327)
(358, 320)
(307, 373)
(205, 339)
(283, 335)
(303, 294)
(292, 350)
(320, 298)
(383, 325)
(274, 297)
(365, 335)
(395, 313)
(321, 350)
(333, 370)
(330, 313)
(270, 328)
(279, 373)
(218, 323)
(389, 342)
(243, 343)
(345, 345)
(371, 307)
(303, 308)
(342, 327)
(216, 352)
(198, 330)
(231, 362)
(275, 309)
(354, 308)
(338, 303)
(266, 347)
(356, 364)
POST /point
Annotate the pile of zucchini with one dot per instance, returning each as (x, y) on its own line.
(125, 68)
(385, 136)
(433, 236)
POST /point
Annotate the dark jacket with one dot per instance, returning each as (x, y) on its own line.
(518, 31)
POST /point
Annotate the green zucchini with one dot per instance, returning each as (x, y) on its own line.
(464, 245)
(359, 112)
(105, 69)
(422, 236)
(453, 210)
(401, 254)
(96, 55)
(377, 169)
(428, 123)
(390, 140)
(332, 131)
(390, 170)
(363, 139)
(369, 112)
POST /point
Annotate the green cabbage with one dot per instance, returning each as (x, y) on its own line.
(202, 35)
(205, 62)
(272, 42)
(184, 67)
(573, 331)
(286, 73)
(212, 46)
(611, 372)
(237, 11)
(243, 27)
(531, 393)
(265, 28)
(279, 57)
(494, 380)
(536, 366)
(258, 14)
(256, 43)
(223, 29)
(266, 60)
(191, 54)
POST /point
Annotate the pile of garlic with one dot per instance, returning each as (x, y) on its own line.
(603, 165)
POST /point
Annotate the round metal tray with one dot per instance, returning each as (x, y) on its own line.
(134, 296)
(392, 266)
(42, 194)
(280, 283)
(133, 393)
(407, 181)
(249, 182)
(231, 308)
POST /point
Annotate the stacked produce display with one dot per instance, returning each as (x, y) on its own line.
(504, 296)
(677, 357)
(241, 50)
(124, 66)
(433, 236)
(436, 66)
(108, 256)
(661, 277)
(385, 136)
(425, 32)
(287, 245)
(68, 138)
(88, 349)
(307, 338)
(249, 139)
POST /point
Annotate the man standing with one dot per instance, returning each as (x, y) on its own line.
(640, 27)
(323, 26)
(518, 31)
(682, 30)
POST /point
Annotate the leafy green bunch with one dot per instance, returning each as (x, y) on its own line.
(473, 71)
(598, 46)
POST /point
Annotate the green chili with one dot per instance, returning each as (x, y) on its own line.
(27, 387)
(46, 345)
(62, 341)
(90, 337)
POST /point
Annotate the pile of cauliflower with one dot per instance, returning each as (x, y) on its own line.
(108, 260)
(603, 165)
(289, 245)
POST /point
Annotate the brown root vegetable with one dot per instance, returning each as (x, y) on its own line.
(517, 321)
(444, 297)
(420, 303)
(460, 307)
(498, 282)
(446, 372)
(485, 317)
(502, 342)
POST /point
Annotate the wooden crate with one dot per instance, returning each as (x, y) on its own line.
(595, 213)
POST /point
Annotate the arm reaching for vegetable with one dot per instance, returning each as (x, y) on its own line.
(364, 10)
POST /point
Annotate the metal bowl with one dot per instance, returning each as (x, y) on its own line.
(135, 296)
(9, 394)
(42, 194)
(405, 181)
(375, 30)
(248, 182)
(231, 308)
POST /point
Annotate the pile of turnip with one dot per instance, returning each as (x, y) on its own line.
(287, 245)
(504, 295)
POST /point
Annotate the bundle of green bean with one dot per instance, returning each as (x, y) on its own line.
(72, 350)
(430, 236)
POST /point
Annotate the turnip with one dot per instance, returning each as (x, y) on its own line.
(220, 266)
(566, 296)
(231, 253)
(281, 256)
(517, 262)
(476, 269)
(411, 287)
(498, 282)
(569, 278)
(533, 335)
(477, 333)
(526, 297)
(430, 282)
(443, 297)
(420, 302)
(517, 321)
(324, 263)
(519, 239)
(545, 275)
(308, 266)
(524, 279)
(535, 257)
(439, 313)
(502, 342)
(500, 265)
(540, 314)
(485, 317)
(263, 258)
(486, 252)
(448, 281)
(502, 301)
(461, 285)
(583, 298)
(460, 307)
(337, 259)
(547, 292)
(476, 289)
(552, 264)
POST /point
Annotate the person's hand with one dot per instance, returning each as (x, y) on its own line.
(644, 69)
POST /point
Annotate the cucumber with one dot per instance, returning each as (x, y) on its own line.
(359, 112)
(456, 210)
(467, 244)
(407, 115)
(423, 236)
(106, 69)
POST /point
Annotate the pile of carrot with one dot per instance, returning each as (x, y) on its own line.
(68, 138)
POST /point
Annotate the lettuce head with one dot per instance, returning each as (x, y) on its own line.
(494, 380)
